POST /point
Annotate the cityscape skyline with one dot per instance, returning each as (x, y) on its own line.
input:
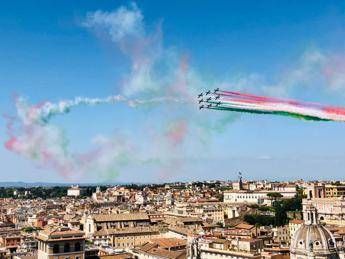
(172, 129)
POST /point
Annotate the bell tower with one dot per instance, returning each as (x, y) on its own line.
(310, 215)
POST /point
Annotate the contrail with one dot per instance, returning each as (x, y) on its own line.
(249, 103)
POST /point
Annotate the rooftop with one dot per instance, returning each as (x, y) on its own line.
(120, 217)
(55, 233)
(115, 231)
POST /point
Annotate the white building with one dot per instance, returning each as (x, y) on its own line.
(140, 199)
(222, 248)
(255, 197)
(244, 197)
(74, 191)
(233, 211)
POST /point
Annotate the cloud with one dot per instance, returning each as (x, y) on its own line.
(126, 28)
(334, 72)
(122, 23)
(316, 70)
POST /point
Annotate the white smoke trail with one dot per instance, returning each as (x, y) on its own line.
(44, 112)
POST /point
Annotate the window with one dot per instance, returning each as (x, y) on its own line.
(331, 243)
(77, 246)
(66, 248)
(56, 249)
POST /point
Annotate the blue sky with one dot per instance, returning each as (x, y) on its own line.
(53, 51)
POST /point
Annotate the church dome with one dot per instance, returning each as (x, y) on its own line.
(315, 239)
(312, 240)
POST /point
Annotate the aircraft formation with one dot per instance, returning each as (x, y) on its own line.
(255, 104)
(208, 99)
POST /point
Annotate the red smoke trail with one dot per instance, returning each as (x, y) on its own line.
(334, 110)
(265, 99)
(178, 132)
(234, 101)
(11, 142)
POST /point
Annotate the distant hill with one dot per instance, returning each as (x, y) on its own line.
(33, 184)
(51, 184)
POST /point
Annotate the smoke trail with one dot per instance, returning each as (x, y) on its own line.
(177, 132)
(43, 112)
(240, 102)
(32, 135)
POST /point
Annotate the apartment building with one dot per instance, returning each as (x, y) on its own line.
(332, 190)
(60, 243)
(294, 225)
(99, 222)
(126, 238)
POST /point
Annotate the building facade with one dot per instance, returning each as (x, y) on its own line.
(61, 243)
(254, 197)
(99, 222)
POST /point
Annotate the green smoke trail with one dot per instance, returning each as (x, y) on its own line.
(281, 113)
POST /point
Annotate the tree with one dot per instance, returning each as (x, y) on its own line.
(259, 220)
(280, 217)
(280, 209)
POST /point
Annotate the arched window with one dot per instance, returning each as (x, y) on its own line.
(77, 246)
(66, 248)
(56, 249)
